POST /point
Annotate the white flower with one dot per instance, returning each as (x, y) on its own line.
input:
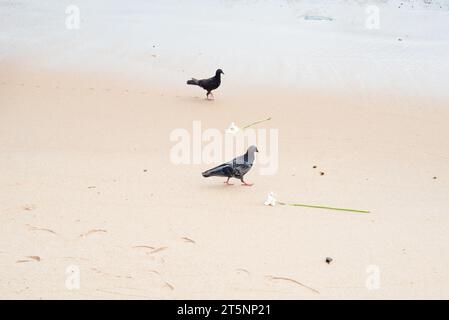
(271, 200)
(232, 128)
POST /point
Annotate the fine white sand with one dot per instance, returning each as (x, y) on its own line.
(87, 183)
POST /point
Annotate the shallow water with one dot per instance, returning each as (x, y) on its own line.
(254, 42)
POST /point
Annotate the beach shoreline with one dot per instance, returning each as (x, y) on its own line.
(95, 202)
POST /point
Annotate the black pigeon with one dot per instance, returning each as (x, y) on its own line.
(208, 84)
(236, 168)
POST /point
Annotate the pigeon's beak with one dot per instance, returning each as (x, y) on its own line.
(257, 150)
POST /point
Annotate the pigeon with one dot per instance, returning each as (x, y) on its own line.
(236, 168)
(208, 84)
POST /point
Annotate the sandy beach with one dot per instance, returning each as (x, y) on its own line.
(88, 186)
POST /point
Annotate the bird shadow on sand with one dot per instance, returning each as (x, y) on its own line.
(196, 99)
(223, 186)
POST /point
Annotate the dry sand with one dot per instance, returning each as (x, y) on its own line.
(86, 181)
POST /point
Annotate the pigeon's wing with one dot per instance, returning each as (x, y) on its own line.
(210, 84)
(241, 166)
(241, 169)
(223, 170)
(239, 160)
(206, 83)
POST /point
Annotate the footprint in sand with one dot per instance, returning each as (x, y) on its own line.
(293, 281)
(158, 249)
(36, 228)
(188, 240)
(241, 270)
(118, 276)
(90, 232)
(29, 259)
(168, 285)
(28, 207)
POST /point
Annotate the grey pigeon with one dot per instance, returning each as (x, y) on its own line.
(236, 168)
(208, 84)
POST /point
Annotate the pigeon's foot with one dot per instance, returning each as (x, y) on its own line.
(227, 182)
(247, 184)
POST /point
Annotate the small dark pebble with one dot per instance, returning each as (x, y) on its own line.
(328, 260)
(434, 178)
(145, 170)
(314, 167)
(321, 173)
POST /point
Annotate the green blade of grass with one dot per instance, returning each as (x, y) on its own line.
(322, 207)
(257, 122)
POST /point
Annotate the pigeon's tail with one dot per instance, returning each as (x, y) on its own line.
(221, 171)
(211, 172)
(206, 174)
(193, 81)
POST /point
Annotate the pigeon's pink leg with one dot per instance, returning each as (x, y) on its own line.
(247, 184)
(227, 182)
(213, 97)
